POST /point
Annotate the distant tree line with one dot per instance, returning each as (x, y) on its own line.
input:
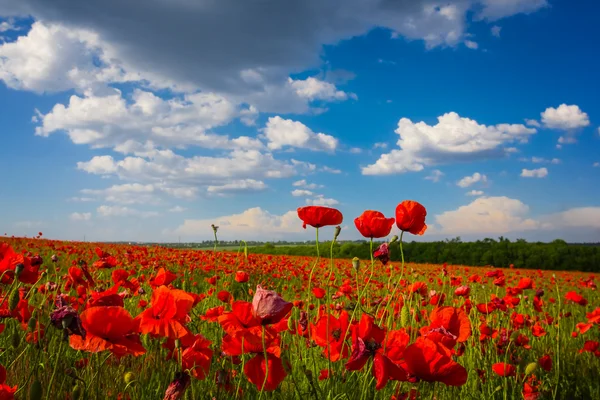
(556, 255)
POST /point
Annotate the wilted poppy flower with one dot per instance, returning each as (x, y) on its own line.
(177, 387)
(268, 306)
(319, 216)
(382, 253)
(410, 217)
(432, 362)
(66, 318)
(373, 224)
(504, 369)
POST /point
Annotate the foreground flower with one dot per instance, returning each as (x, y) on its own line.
(373, 224)
(410, 217)
(167, 315)
(108, 328)
(319, 216)
(432, 362)
(268, 306)
(256, 372)
(329, 332)
(197, 357)
(177, 387)
(6, 392)
(448, 325)
(504, 369)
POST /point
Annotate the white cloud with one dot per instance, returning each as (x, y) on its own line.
(380, 145)
(301, 193)
(80, 216)
(254, 223)
(470, 180)
(471, 44)
(331, 170)
(496, 30)
(475, 193)
(238, 186)
(129, 193)
(487, 215)
(579, 217)
(8, 25)
(596, 164)
(284, 132)
(119, 211)
(177, 209)
(496, 9)
(321, 200)
(565, 117)
(452, 139)
(541, 160)
(534, 173)
(435, 176)
(532, 122)
(314, 89)
(355, 150)
(303, 184)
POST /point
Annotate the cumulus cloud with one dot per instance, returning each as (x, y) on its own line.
(304, 184)
(282, 133)
(453, 138)
(253, 223)
(80, 216)
(301, 193)
(475, 193)
(238, 186)
(435, 176)
(496, 9)
(534, 173)
(314, 89)
(320, 200)
(120, 211)
(487, 215)
(565, 117)
(470, 180)
(471, 44)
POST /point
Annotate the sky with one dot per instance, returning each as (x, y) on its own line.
(150, 121)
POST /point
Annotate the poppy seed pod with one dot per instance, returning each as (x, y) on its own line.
(268, 306)
(356, 263)
(128, 377)
(530, 369)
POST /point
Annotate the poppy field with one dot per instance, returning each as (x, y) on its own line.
(105, 321)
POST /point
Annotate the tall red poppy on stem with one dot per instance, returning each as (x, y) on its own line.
(410, 217)
(373, 224)
(319, 216)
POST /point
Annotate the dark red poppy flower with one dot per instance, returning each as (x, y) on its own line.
(504, 369)
(410, 217)
(545, 362)
(373, 224)
(319, 216)
(382, 253)
(432, 362)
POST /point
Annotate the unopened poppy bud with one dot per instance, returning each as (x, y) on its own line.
(177, 343)
(76, 392)
(394, 239)
(35, 390)
(530, 369)
(15, 340)
(338, 229)
(19, 269)
(404, 316)
(128, 377)
(32, 323)
(13, 301)
(355, 263)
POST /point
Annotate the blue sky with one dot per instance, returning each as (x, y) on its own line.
(119, 124)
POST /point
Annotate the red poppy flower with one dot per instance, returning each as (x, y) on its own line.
(545, 362)
(373, 224)
(318, 216)
(576, 298)
(6, 392)
(504, 369)
(167, 314)
(256, 370)
(330, 333)
(410, 217)
(432, 362)
(108, 328)
(163, 277)
(197, 357)
(241, 277)
(448, 325)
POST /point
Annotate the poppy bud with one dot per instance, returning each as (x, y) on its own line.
(394, 239)
(177, 387)
(177, 343)
(290, 324)
(35, 390)
(19, 269)
(215, 228)
(404, 316)
(355, 263)
(15, 340)
(76, 392)
(338, 229)
(128, 377)
(530, 369)
(268, 306)
(54, 258)
(13, 301)
(31, 323)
